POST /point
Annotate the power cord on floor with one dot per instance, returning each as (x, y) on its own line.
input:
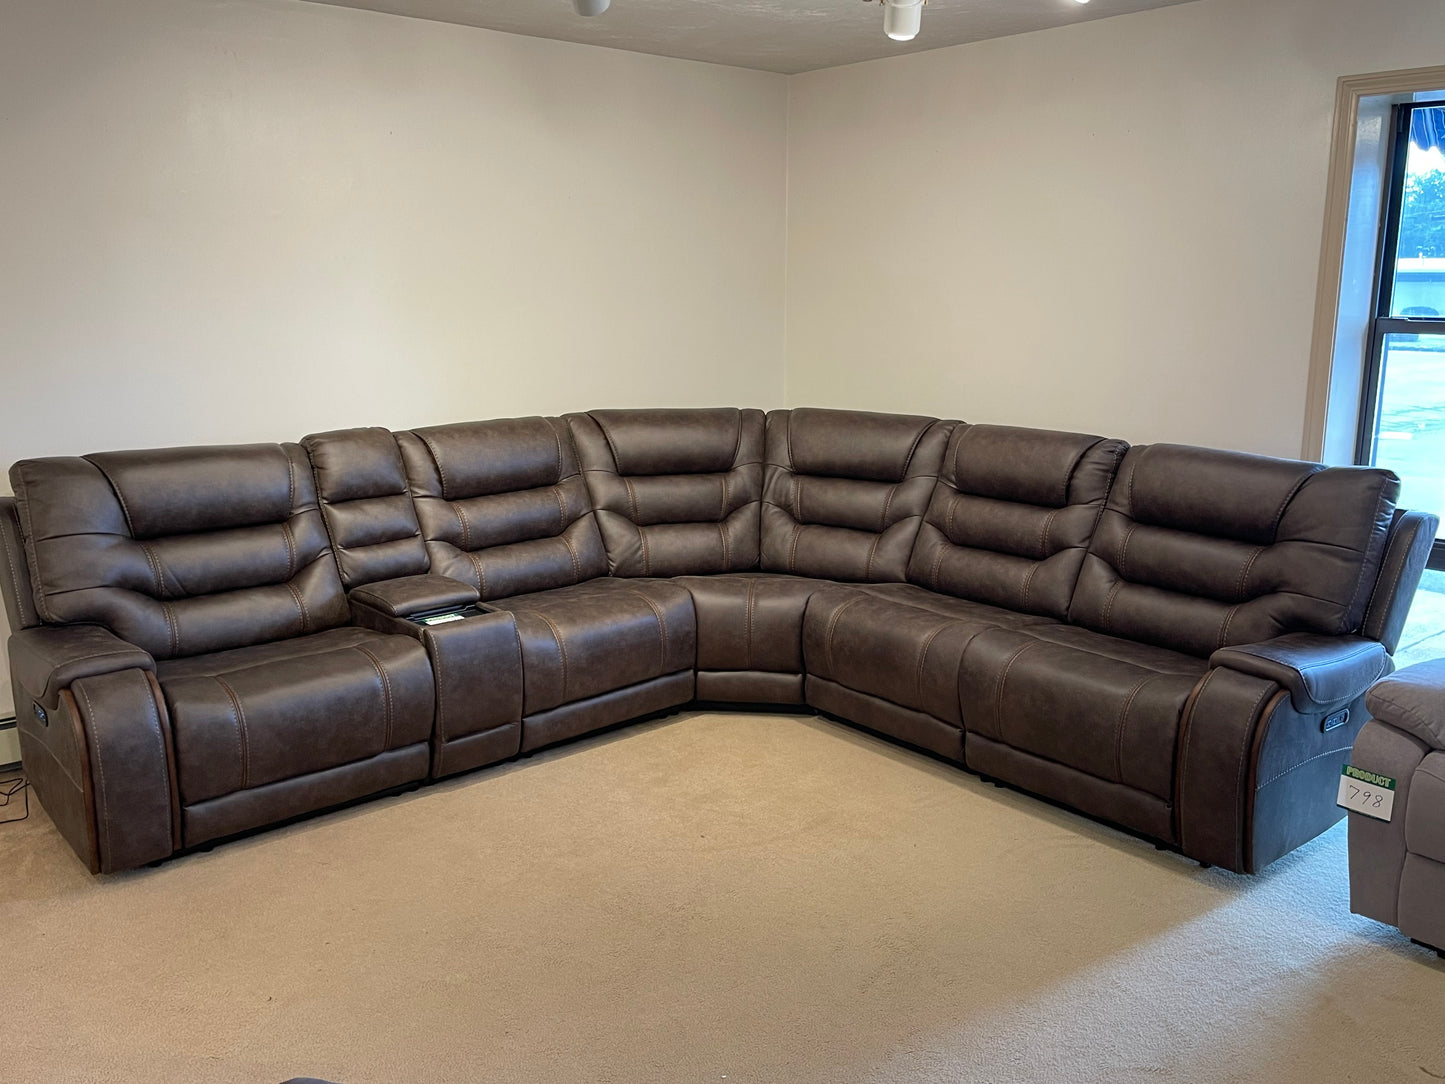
(15, 790)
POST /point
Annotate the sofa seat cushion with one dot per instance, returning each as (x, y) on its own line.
(598, 636)
(898, 642)
(1425, 817)
(751, 620)
(1101, 705)
(256, 715)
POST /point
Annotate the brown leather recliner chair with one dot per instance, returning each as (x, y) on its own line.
(187, 669)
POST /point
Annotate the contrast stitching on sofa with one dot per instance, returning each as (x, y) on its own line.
(793, 549)
(752, 601)
(154, 562)
(646, 553)
(576, 561)
(737, 438)
(27, 531)
(172, 628)
(290, 539)
(798, 497)
(912, 448)
(661, 622)
(1044, 534)
(1109, 603)
(1123, 720)
(561, 508)
(99, 769)
(998, 689)
(616, 459)
(243, 743)
(386, 696)
(887, 504)
(437, 462)
(1318, 756)
(1129, 486)
(923, 657)
(1186, 731)
(561, 646)
(300, 605)
(1288, 499)
(434, 653)
(1248, 568)
(290, 483)
(1124, 549)
(631, 498)
(20, 587)
(481, 574)
(1029, 582)
(557, 439)
(872, 554)
(937, 564)
(1248, 738)
(1399, 571)
(466, 522)
(828, 635)
(953, 504)
(120, 499)
(723, 537)
(1360, 578)
(1224, 627)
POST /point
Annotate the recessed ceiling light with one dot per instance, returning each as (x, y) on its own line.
(590, 7)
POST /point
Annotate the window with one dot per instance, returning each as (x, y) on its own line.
(1402, 413)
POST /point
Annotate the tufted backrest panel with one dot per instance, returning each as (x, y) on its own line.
(1012, 515)
(502, 505)
(366, 505)
(1199, 549)
(844, 491)
(180, 551)
(677, 492)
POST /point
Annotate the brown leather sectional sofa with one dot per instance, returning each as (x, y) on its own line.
(1174, 639)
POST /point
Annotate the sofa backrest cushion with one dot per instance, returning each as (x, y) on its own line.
(1199, 549)
(676, 492)
(180, 551)
(366, 505)
(1012, 515)
(502, 505)
(844, 491)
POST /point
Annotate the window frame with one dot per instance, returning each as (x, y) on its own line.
(1382, 323)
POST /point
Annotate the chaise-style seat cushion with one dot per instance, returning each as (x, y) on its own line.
(1102, 706)
(900, 644)
(595, 637)
(254, 717)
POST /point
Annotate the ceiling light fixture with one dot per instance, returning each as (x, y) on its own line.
(590, 7)
(902, 18)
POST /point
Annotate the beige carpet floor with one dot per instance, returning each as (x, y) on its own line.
(711, 897)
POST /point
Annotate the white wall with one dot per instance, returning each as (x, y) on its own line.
(1112, 227)
(253, 220)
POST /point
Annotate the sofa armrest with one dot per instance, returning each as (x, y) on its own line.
(1320, 672)
(1413, 700)
(415, 595)
(47, 659)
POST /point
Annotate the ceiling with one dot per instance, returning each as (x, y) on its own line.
(774, 35)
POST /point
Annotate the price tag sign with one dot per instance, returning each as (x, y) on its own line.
(1367, 793)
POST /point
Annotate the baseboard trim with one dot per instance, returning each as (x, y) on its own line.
(9, 745)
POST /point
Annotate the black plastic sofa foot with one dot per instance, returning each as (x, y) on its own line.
(1425, 945)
